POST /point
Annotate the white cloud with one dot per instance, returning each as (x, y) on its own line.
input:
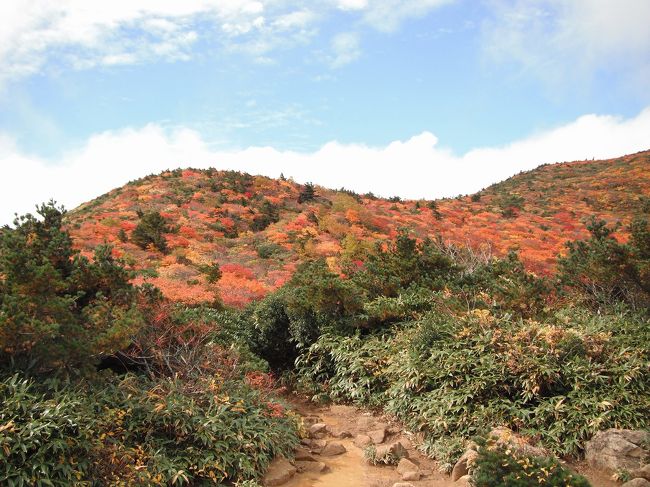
(82, 34)
(560, 39)
(346, 48)
(388, 15)
(85, 33)
(414, 168)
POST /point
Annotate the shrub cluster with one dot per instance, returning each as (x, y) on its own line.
(497, 467)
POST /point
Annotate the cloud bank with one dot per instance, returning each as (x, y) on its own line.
(414, 168)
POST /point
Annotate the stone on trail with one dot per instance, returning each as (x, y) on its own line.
(332, 449)
(338, 432)
(406, 465)
(396, 450)
(641, 473)
(637, 483)
(362, 441)
(317, 467)
(279, 472)
(303, 455)
(411, 476)
(618, 449)
(377, 436)
(463, 464)
(317, 428)
(464, 481)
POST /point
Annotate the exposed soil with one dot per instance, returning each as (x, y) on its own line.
(350, 469)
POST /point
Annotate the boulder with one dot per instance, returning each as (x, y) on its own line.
(332, 449)
(279, 472)
(637, 483)
(413, 475)
(464, 481)
(395, 450)
(618, 449)
(316, 467)
(303, 455)
(317, 428)
(406, 465)
(317, 446)
(463, 464)
(362, 441)
(641, 473)
(338, 432)
(377, 436)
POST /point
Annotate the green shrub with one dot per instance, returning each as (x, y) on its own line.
(499, 468)
(451, 376)
(44, 439)
(136, 431)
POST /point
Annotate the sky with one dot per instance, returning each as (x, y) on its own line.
(415, 98)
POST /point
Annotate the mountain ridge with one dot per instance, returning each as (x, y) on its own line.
(258, 229)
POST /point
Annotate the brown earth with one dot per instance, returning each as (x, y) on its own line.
(350, 469)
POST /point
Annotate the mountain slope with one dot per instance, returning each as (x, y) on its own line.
(256, 229)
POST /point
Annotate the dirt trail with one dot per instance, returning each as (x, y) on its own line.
(350, 469)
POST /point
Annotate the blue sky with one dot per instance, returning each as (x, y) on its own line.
(460, 92)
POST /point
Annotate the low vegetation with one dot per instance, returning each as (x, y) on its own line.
(104, 379)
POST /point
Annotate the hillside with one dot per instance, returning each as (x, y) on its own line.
(257, 231)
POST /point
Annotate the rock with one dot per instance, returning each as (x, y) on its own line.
(377, 436)
(317, 446)
(403, 484)
(464, 481)
(317, 467)
(303, 455)
(317, 428)
(617, 449)
(396, 450)
(411, 476)
(332, 449)
(406, 465)
(393, 429)
(641, 473)
(364, 423)
(279, 472)
(463, 464)
(637, 483)
(362, 441)
(338, 432)
(406, 443)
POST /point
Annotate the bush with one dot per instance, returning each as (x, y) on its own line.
(497, 467)
(43, 440)
(136, 431)
(450, 376)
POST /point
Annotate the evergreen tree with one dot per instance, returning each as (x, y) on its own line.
(307, 193)
(59, 309)
(150, 231)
